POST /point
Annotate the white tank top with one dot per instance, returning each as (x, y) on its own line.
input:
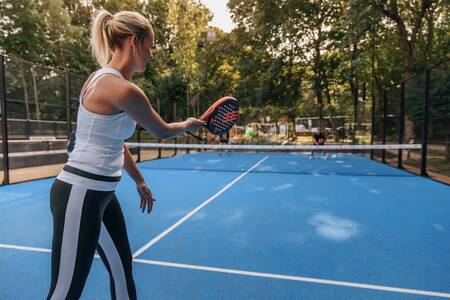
(99, 139)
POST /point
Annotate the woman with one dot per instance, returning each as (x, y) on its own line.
(86, 212)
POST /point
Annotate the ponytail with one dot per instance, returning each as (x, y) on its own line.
(108, 31)
(100, 41)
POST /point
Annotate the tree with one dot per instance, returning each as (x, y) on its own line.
(34, 30)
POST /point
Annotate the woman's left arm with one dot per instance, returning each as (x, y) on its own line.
(142, 188)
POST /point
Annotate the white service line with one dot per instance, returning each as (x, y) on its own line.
(263, 275)
(195, 210)
(295, 278)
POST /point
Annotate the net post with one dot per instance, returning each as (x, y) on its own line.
(402, 124)
(188, 141)
(175, 150)
(159, 149)
(139, 141)
(423, 166)
(384, 124)
(4, 121)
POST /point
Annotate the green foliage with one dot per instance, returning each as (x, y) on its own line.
(292, 57)
(34, 30)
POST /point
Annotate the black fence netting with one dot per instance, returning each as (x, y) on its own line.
(35, 115)
(438, 127)
(39, 109)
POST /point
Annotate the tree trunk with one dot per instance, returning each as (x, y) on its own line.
(330, 113)
(318, 75)
(354, 89)
(25, 93)
(428, 52)
(320, 106)
(36, 101)
(174, 112)
(429, 45)
(409, 123)
(294, 129)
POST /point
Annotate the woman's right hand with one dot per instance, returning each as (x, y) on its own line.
(192, 124)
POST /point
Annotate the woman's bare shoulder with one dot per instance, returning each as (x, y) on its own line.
(114, 88)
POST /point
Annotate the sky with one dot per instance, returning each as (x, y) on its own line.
(222, 18)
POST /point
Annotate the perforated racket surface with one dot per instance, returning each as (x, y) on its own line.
(221, 116)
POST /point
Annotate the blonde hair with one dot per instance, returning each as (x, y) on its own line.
(108, 31)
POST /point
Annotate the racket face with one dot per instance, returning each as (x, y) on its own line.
(221, 116)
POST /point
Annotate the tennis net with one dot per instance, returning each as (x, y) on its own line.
(283, 159)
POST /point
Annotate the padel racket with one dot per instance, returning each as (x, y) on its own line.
(221, 116)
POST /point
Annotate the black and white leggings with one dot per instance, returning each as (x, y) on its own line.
(86, 220)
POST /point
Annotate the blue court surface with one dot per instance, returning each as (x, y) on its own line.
(254, 226)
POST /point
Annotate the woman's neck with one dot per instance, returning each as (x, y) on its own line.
(122, 65)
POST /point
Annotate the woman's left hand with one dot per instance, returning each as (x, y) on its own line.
(146, 197)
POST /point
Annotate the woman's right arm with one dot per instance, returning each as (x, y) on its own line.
(136, 104)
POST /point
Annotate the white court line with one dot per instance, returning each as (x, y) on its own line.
(195, 210)
(263, 275)
(34, 249)
(295, 278)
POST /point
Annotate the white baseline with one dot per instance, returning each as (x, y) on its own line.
(263, 275)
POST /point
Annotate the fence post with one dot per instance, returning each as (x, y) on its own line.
(68, 105)
(372, 132)
(4, 121)
(385, 100)
(355, 112)
(423, 166)
(402, 124)
(363, 103)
